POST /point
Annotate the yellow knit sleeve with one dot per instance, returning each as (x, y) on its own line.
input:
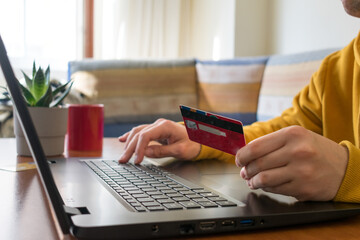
(211, 153)
(349, 190)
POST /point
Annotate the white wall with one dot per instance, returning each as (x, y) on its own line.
(227, 28)
(213, 32)
(303, 25)
(252, 27)
(290, 26)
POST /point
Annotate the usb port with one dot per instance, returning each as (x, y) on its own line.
(246, 222)
(228, 223)
(206, 226)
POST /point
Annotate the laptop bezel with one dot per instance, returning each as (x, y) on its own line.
(21, 109)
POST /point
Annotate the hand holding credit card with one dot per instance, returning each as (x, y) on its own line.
(213, 130)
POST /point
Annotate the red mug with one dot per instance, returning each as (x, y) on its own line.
(85, 131)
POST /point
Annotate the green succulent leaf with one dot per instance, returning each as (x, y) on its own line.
(27, 80)
(46, 99)
(47, 75)
(61, 88)
(30, 99)
(62, 96)
(38, 90)
(34, 70)
(40, 86)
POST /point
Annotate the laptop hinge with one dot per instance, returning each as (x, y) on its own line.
(76, 210)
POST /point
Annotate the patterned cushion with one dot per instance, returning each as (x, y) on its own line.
(135, 90)
(231, 87)
(284, 77)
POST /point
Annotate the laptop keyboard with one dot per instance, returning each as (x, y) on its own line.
(149, 188)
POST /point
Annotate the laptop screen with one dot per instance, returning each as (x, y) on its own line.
(20, 108)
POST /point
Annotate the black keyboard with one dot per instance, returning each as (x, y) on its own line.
(149, 188)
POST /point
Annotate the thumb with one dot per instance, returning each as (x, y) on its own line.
(159, 151)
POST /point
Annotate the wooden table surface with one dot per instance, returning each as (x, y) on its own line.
(25, 211)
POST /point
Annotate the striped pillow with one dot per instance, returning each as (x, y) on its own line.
(136, 91)
(284, 77)
(231, 87)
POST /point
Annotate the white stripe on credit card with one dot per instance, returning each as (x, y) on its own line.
(211, 130)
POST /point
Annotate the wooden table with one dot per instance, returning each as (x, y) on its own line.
(25, 211)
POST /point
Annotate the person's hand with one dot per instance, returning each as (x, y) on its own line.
(295, 162)
(172, 136)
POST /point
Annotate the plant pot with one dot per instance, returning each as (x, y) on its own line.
(51, 127)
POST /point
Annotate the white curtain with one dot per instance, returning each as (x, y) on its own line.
(142, 29)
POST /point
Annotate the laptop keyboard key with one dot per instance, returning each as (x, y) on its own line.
(149, 189)
(190, 204)
(226, 204)
(150, 204)
(200, 199)
(180, 199)
(140, 209)
(135, 204)
(201, 191)
(186, 192)
(141, 195)
(217, 199)
(145, 199)
(132, 192)
(209, 195)
(208, 204)
(165, 200)
(159, 197)
(193, 196)
(156, 208)
(173, 206)
(168, 191)
(173, 195)
(155, 193)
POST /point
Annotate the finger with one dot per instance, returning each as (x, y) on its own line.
(153, 132)
(284, 189)
(133, 133)
(123, 137)
(130, 150)
(272, 160)
(270, 178)
(260, 147)
(125, 156)
(159, 151)
(140, 140)
(131, 143)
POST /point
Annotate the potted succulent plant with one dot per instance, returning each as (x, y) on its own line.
(43, 98)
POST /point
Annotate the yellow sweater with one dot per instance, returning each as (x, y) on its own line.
(329, 106)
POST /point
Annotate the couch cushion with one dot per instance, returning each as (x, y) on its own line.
(134, 90)
(284, 77)
(231, 87)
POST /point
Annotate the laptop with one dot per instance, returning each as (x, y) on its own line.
(101, 199)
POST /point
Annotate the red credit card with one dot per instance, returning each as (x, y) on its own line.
(213, 130)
